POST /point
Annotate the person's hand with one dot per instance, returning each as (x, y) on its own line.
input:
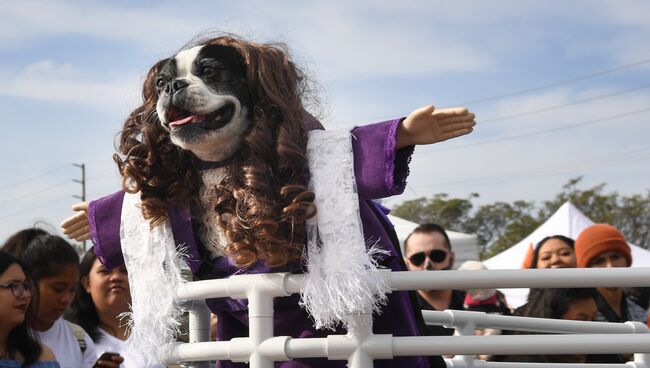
(77, 227)
(109, 360)
(427, 125)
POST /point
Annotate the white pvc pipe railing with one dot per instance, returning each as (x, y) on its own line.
(360, 346)
(484, 364)
(455, 318)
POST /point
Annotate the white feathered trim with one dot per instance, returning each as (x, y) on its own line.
(155, 272)
(342, 275)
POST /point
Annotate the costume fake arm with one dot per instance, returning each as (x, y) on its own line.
(99, 221)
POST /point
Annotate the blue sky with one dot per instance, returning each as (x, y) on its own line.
(71, 73)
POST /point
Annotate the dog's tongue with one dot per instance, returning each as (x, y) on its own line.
(183, 121)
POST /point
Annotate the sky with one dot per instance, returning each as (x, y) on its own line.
(559, 91)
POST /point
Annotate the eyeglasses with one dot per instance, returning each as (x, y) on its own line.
(18, 289)
(436, 256)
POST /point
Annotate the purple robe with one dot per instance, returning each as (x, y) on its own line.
(380, 172)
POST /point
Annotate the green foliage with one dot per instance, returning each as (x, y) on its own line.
(500, 225)
(450, 213)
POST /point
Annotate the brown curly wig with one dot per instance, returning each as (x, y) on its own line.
(262, 204)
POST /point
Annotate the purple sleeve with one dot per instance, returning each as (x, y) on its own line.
(379, 169)
(104, 217)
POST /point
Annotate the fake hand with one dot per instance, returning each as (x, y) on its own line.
(427, 125)
(77, 227)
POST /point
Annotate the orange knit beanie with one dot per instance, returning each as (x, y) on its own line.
(598, 239)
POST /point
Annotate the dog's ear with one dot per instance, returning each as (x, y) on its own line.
(273, 81)
(229, 56)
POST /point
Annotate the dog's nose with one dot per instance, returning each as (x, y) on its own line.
(177, 85)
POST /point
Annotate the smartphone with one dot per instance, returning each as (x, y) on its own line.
(105, 356)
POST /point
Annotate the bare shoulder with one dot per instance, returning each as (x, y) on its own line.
(46, 354)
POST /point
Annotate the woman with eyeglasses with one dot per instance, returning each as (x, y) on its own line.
(53, 265)
(18, 345)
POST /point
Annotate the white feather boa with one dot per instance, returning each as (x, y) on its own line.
(342, 278)
(155, 272)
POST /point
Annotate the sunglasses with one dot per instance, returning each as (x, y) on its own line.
(436, 256)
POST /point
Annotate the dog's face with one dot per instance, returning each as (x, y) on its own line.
(203, 101)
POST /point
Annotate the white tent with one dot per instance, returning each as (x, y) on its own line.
(465, 246)
(567, 221)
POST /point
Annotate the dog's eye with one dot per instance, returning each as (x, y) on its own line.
(160, 82)
(209, 71)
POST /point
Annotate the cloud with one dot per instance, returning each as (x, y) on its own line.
(25, 21)
(341, 39)
(63, 82)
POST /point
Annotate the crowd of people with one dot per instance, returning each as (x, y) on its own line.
(59, 311)
(41, 281)
(428, 248)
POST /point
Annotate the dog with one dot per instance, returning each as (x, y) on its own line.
(203, 101)
(216, 159)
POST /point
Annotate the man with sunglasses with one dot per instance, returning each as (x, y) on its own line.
(428, 248)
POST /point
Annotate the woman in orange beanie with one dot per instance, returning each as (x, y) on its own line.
(602, 245)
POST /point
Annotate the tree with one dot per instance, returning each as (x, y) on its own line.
(633, 219)
(500, 225)
(629, 214)
(450, 213)
(600, 207)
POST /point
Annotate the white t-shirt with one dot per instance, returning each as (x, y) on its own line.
(132, 359)
(63, 343)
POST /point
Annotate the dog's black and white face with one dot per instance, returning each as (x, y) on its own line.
(203, 101)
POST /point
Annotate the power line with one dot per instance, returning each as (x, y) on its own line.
(550, 170)
(101, 162)
(539, 132)
(525, 90)
(33, 178)
(36, 192)
(541, 175)
(558, 83)
(35, 208)
(97, 178)
(550, 108)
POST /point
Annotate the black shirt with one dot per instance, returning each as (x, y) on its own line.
(456, 303)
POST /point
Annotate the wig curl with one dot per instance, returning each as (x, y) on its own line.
(263, 203)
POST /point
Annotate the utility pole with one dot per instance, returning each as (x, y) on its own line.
(83, 188)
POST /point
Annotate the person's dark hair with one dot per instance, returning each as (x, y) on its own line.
(553, 303)
(83, 311)
(46, 254)
(428, 228)
(566, 240)
(18, 242)
(21, 339)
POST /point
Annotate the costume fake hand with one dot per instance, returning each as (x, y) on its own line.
(77, 227)
(427, 125)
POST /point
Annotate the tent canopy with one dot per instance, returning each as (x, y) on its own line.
(567, 221)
